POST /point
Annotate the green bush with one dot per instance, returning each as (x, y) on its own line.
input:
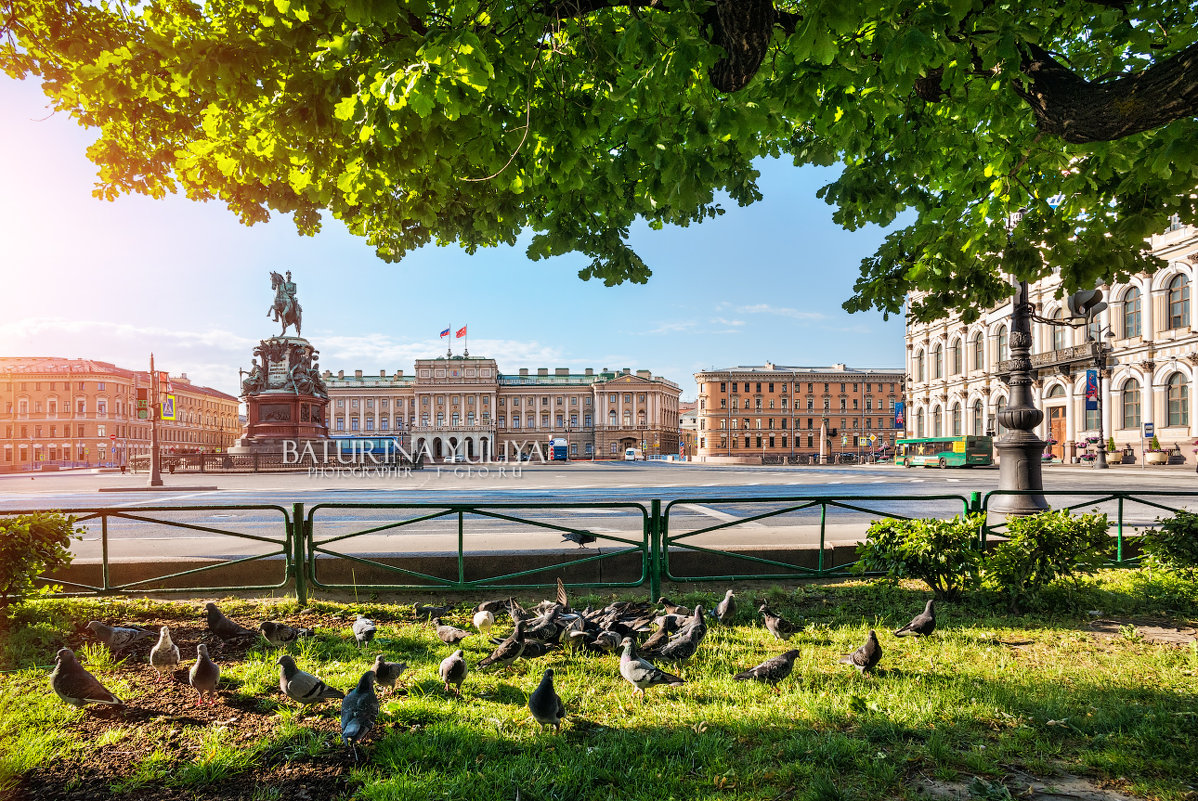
(941, 553)
(1043, 548)
(1173, 544)
(31, 545)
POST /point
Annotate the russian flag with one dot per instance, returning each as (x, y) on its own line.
(445, 333)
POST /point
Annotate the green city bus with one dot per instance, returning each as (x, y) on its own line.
(944, 451)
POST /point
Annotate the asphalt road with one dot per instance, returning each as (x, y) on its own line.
(723, 504)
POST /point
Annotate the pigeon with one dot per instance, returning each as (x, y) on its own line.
(73, 684)
(364, 630)
(386, 673)
(534, 649)
(545, 704)
(695, 623)
(771, 671)
(494, 607)
(607, 641)
(428, 612)
(450, 635)
(483, 621)
(660, 637)
(507, 651)
(164, 655)
(684, 646)
(865, 657)
(673, 608)
(922, 624)
(204, 673)
(117, 638)
(641, 674)
(725, 610)
(563, 601)
(281, 635)
(303, 687)
(581, 537)
(453, 670)
(224, 628)
(780, 627)
(359, 711)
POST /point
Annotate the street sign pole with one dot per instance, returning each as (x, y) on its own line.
(155, 457)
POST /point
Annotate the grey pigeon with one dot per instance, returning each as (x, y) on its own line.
(224, 628)
(684, 646)
(535, 650)
(73, 684)
(922, 624)
(281, 635)
(779, 626)
(673, 608)
(661, 636)
(696, 624)
(165, 654)
(607, 641)
(426, 611)
(359, 711)
(581, 537)
(507, 651)
(641, 674)
(545, 704)
(364, 630)
(453, 670)
(771, 671)
(725, 610)
(303, 687)
(494, 606)
(450, 635)
(865, 657)
(117, 638)
(386, 673)
(204, 674)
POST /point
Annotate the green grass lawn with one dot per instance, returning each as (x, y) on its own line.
(990, 695)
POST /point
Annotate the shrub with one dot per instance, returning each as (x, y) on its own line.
(1173, 544)
(29, 546)
(1043, 548)
(941, 553)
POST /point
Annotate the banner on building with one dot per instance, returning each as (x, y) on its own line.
(900, 417)
(1091, 390)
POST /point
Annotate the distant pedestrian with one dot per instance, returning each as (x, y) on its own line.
(122, 470)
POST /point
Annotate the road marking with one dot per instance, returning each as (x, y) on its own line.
(723, 517)
(953, 480)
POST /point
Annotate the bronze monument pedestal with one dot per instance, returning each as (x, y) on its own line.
(285, 399)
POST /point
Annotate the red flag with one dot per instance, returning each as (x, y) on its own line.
(461, 332)
(164, 380)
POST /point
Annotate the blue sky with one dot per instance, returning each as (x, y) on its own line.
(114, 280)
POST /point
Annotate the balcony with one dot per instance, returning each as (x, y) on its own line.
(1085, 353)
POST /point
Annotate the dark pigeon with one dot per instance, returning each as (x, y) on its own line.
(545, 704)
(725, 610)
(450, 635)
(660, 637)
(428, 612)
(117, 638)
(303, 687)
(364, 630)
(493, 606)
(453, 670)
(581, 537)
(281, 635)
(922, 624)
(204, 674)
(684, 646)
(641, 674)
(73, 684)
(771, 671)
(224, 628)
(507, 651)
(386, 673)
(779, 626)
(673, 608)
(359, 711)
(865, 657)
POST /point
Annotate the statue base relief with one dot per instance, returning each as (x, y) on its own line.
(285, 398)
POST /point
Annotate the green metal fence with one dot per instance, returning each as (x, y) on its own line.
(282, 548)
(465, 519)
(673, 545)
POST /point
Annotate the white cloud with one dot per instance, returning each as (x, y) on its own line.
(726, 321)
(673, 328)
(781, 311)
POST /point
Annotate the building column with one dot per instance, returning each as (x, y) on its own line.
(1071, 426)
(1192, 399)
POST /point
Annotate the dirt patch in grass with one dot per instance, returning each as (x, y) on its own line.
(1021, 786)
(1149, 631)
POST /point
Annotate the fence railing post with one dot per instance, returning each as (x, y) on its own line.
(105, 580)
(299, 560)
(1119, 536)
(656, 528)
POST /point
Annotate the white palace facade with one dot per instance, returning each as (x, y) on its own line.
(1150, 332)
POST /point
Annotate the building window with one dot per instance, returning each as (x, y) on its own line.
(937, 362)
(979, 354)
(1058, 332)
(1131, 313)
(1179, 400)
(938, 422)
(1179, 302)
(353, 424)
(1131, 403)
(954, 358)
(919, 429)
(515, 421)
(998, 410)
(919, 369)
(977, 418)
(1002, 343)
(956, 419)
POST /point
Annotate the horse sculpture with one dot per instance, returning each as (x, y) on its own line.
(286, 309)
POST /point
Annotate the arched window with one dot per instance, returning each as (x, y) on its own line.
(1131, 403)
(919, 423)
(955, 357)
(1056, 391)
(1058, 332)
(1179, 302)
(919, 366)
(979, 354)
(938, 422)
(998, 410)
(1179, 400)
(1001, 344)
(956, 419)
(978, 430)
(938, 362)
(1131, 313)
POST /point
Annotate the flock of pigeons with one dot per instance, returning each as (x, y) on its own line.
(550, 625)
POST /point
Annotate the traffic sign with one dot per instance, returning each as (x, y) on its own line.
(1148, 430)
(873, 438)
(168, 407)
(112, 437)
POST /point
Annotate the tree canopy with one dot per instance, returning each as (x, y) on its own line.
(470, 121)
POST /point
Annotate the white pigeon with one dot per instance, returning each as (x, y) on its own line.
(164, 655)
(483, 621)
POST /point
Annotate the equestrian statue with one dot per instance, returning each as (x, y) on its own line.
(286, 309)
